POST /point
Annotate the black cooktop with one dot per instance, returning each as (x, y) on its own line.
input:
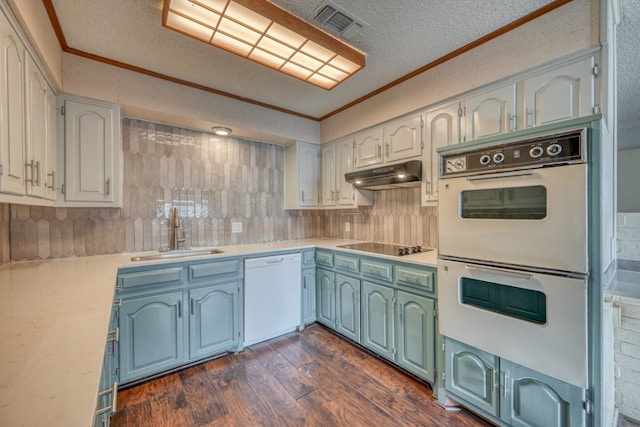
(385, 248)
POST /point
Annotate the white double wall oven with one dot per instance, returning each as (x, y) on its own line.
(513, 251)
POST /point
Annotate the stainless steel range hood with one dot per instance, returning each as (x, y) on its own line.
(407, 174)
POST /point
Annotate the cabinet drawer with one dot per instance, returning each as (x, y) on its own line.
(219, 268)
(377, 270)
(308, 258)
(161, 276)
(346, 263)
(417, 278)
(324, 258)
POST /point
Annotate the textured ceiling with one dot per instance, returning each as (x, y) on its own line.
(402, 36)
(628, 36)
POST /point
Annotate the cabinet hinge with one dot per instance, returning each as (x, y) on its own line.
(62, 110)
(587, 405)
(435, 312)
(443, 347)
(596, 70)
(117, 371)
(0, 169)
(459, 111)
(238, 334)
(394, 351)
(596, 109)
(444, 377)
(63, 189)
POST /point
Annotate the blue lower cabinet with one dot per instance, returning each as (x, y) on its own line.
(152, 332)
(308, 314)
(508, 393)
(416, 334)
(530, 398)
(378, 323)
(348, 306)
(472, 376)
(325, 291)
(214, 319)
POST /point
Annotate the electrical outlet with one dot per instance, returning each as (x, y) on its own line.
(347, 227)
(236, 227)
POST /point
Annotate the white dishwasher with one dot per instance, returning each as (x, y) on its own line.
(272, 299)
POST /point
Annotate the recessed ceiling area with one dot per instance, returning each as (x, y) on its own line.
(401, 37)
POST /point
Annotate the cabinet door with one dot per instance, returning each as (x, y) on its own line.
(51, 137)
(325, 284)
(368, 148)
(491, 113)
(530, 398)
(442, 128)
(309, 174)
(152, 331)
(344, 164)
(378, 322)
(92, 152)
(214, 319)
(36, 116)
(471, 376)
(416, 334)
(561, 94)
(308, 296)
(403, 139)
(12, 138)
(348, 306)
(328, 166)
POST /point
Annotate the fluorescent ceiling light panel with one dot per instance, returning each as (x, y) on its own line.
(267, 34)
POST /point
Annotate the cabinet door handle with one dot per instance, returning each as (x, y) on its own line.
(529, 118)
(505, 384)
(37, 174)
(53, 180)
(387, 150)
(30, 166)
(179, 308)
(410, 278)
(107, 185)
(379, 151)
(302, 195)
(193, 307)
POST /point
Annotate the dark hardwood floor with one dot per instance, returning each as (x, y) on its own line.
(313, 378)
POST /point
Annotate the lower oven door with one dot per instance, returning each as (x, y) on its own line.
(535, 217)
(536, 320)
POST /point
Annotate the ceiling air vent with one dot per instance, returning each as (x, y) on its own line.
(334, 18)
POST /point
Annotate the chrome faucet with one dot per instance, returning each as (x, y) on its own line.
(174, 221)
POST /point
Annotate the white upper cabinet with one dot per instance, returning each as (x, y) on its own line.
(490, 113)
(442, 128)
(368, 148)
(402, 138)
(36, 115)
(337, 159)
(328, 168)
(51, 135)
(302, 175)
(344, 163)
(93, 153)
(560, 94)
(12, 125)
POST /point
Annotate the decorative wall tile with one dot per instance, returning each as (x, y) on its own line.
(213, 181)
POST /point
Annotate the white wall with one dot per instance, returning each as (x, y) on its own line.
(568, 29)
(629, 181)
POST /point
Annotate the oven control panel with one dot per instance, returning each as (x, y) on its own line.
(550, 150)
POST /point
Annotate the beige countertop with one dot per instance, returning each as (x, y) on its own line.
(53, 328)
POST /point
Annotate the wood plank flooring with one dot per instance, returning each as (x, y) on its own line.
(312, 378)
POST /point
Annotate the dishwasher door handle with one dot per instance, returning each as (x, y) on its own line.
(275, 261)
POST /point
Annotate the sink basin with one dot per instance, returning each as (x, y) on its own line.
(184, 253)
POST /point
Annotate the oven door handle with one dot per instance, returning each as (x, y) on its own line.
(500, 272)
(527, 172)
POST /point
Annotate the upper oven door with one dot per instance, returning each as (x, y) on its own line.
(533, 217)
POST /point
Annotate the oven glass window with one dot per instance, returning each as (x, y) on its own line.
(515, 302)
(505, 203)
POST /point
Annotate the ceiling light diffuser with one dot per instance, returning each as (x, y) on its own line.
(221, 131)
(267, 34)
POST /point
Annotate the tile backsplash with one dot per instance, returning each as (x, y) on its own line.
(628, 236)
(213, 181)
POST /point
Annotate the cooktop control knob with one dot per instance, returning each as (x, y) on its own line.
(498, 157)
(485, 159)
(554, 149)
(536, 152)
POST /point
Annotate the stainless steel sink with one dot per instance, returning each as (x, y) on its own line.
(183, 253)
